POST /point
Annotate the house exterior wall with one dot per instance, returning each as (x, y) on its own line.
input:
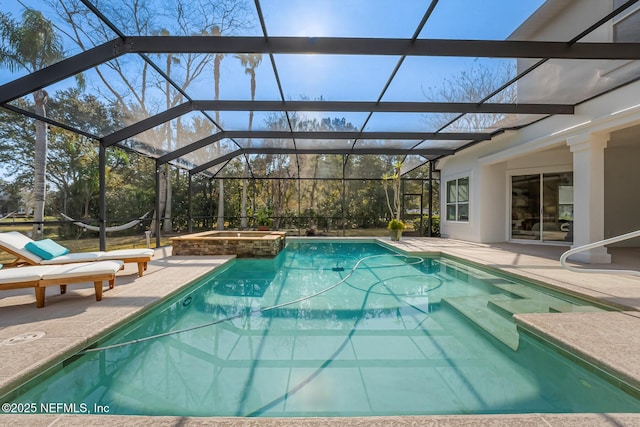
(561, 20)
(622, 193)
(542, 147)
(494, 193)
(465, 167)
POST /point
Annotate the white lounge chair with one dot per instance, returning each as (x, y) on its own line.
(15, 243)
(41, 276)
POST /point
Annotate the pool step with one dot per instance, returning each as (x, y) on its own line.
(510, 307)
(476, 309)
(520, 306)
(457, 267)
(527, 292)
(572, 308)
(530, 300)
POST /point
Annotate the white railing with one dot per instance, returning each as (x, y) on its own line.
(567, 254)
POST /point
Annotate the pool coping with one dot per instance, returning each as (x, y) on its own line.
(494, 420)
(68, 313)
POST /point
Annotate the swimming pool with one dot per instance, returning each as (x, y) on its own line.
(391, 337)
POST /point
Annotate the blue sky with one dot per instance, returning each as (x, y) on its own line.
(338, 77)
(316, 75)
(459, 19)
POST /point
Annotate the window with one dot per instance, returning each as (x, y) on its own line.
(458, 199)
(542, 207)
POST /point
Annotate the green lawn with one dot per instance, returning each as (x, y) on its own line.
(77, 244)
(139, 241)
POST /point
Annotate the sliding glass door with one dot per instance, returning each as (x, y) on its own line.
(542, 207)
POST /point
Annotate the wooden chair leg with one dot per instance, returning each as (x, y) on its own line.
(98, 287)
(63, 289)
(39, 296)
(141, 269)
(112, 283)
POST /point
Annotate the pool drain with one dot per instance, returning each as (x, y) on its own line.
(22, 338)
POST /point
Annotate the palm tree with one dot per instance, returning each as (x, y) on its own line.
(32, 45)
(250, 61)
(217, 59)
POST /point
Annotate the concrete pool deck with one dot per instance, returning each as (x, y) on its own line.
(610, 340)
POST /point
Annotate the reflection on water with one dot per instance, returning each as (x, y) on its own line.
(381, 343)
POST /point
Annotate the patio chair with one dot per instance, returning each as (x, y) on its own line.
(47, 252)
(41, 276)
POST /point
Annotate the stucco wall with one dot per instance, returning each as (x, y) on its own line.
(490, 186)
(463, 167)
(494, 193)
(554, 159)
(542, 147)
(622, 192)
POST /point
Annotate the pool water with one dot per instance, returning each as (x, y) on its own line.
(396, 336)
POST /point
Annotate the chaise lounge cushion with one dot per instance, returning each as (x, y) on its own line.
(116, 254)
(39, 277)
(72, 257)
(125, 254)
(81, 270)
(64, 271)
(23, 274)
(46, 249)
(15, 243)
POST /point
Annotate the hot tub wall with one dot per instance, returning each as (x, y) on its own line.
(243, 247)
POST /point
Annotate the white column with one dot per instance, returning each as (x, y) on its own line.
(588, 195)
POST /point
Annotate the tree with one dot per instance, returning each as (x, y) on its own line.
(17, 143)
(366, 200)
(12, 191)
(217, 60)
(137, 97)
(73, 159)
(32, 45)
(472, 85)
(393, 180)
(318, 200)
(131, 186)
(250, 61)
